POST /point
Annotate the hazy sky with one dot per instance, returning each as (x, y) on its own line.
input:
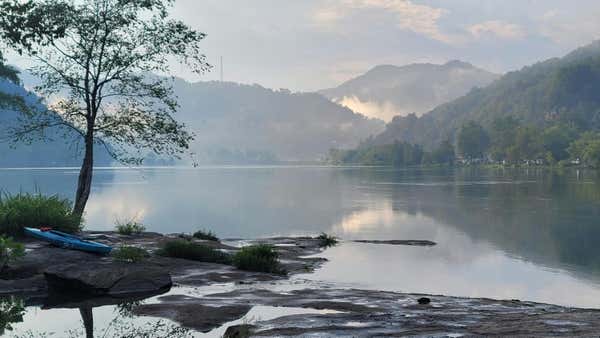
(315, 44)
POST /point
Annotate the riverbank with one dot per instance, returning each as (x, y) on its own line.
(40, 279)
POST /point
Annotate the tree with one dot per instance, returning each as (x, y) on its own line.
(556, 140)
(503, 134)
(10, 74)
(100, 57)
(473, 140)
(444, 153)
(527, 145)
(586, 149)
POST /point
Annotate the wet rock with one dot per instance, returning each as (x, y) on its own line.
(107, 278)
(424, 301)
(412, 242)
(239, 331)
(192, 314)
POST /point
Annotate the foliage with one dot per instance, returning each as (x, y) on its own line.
(9, 251)
(98, 55)
(503, 133)
(129, 227)
(559, 90)
(36, 211)
(472, 140)
(398, 154)
(326, 240)
(207, 235)
(586, 149)
(443, 154)
(11, 311)
(130, 254)
(182, 248)
(259, 258)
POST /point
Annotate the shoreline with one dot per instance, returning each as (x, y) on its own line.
(345, 311)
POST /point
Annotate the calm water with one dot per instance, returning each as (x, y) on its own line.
(526, 234)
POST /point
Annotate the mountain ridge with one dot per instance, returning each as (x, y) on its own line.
(385, 91)
(557, 89)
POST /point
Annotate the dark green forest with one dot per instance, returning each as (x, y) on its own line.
(544, 114)
(559, 91)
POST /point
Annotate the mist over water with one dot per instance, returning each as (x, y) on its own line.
(527, 234)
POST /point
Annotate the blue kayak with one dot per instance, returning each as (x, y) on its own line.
(68, 241)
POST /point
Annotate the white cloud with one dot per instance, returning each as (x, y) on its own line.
(385, 111)
(569, 29)
(501, 29)
(420, 19)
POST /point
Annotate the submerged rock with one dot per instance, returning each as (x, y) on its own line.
(239, 331)
(413, 242)
(192, 314)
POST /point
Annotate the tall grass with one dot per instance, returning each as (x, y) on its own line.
(259, 258)
(130, 254)
(36, 211)
(182, 248)
(129, 227)
(206, 235)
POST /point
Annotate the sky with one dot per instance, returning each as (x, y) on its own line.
(313, 44)
(307, 45)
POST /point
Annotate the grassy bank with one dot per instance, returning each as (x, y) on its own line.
(36, 211)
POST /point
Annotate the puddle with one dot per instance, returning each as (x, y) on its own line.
(264, 313)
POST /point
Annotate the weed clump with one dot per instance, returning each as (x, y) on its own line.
(206, 235)
(36, 211)
(130, 254)
(181, 248)
(259, 258)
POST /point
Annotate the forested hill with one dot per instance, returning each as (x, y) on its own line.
(247, 124)
(386, 91)
(58, 150)
(563, 89)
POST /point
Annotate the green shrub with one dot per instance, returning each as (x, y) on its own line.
(11, 311)
(9, 251)
(130, 254)
(259, 258)
(182, 248)
(206, 235)
(36, 211)
(129, 227)
(326, 241)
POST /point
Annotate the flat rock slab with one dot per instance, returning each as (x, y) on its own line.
(364, 313)
(47, 269)
(412, 242)
(191, 314)
(107, 278)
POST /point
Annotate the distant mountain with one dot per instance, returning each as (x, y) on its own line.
(563, 89)
(386, 91)
(60, 149)
(236, 123)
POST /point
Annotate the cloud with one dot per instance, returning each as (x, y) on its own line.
(569, 29)
(500, 29)
(385, 111)
(420, 19)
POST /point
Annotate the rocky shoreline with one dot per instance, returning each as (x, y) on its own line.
(46, 273)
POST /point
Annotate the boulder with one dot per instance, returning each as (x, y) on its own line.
(107, 279)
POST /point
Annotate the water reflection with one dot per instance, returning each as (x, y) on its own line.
(11, 312)
(501, 233)
(76, 316)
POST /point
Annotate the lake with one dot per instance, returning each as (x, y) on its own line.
(528, 234)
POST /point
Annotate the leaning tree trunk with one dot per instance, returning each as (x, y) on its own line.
(84, 185)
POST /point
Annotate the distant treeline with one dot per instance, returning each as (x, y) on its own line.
(506, 142)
